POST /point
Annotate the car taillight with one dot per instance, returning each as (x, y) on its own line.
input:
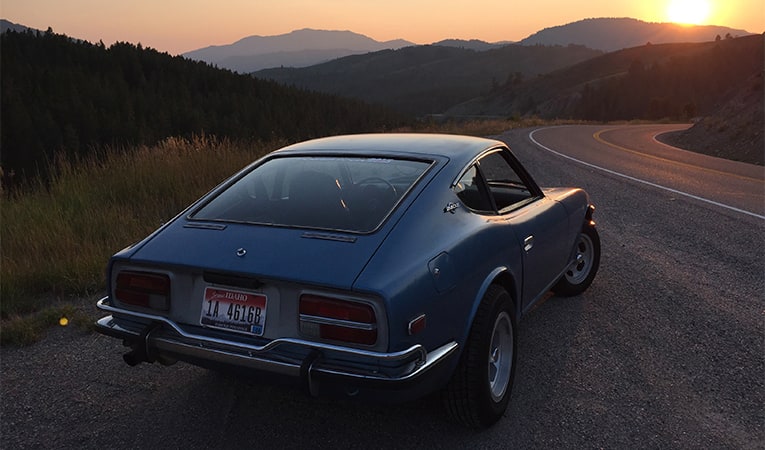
(338, 320)
(150, 290)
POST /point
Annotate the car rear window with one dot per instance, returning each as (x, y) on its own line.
(326, 192)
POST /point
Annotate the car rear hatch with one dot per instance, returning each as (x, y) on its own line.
(314, 257)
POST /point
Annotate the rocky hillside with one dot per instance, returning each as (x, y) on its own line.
(734, 131)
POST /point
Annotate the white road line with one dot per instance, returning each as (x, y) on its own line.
(638, 180)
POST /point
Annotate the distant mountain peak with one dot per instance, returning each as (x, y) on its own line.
(615, 33)
(298, 48)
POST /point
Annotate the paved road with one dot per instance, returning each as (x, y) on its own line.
(635, 153)
(666, 349)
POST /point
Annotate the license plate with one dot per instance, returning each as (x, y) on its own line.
(233, 310)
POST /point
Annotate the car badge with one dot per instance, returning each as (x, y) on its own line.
(241, 252)
(451, 207)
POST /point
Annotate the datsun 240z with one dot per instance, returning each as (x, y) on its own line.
(382, 266)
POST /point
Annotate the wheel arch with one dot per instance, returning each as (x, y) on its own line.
(507, 281)
(501, 276)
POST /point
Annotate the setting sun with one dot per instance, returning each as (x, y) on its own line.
(690, 12)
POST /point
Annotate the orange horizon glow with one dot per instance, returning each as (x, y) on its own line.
(178, 26)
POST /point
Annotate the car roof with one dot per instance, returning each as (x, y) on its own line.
(456, 147)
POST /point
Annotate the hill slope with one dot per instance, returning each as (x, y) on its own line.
(6, 25)
(473, 44)
(648, 82)
(734, 131)
(609, 34)
(427, 79)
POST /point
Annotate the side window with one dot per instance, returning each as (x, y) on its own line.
(471, 191)
(505, 184)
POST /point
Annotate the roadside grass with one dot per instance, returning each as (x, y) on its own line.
(26, 329)
(57, 238)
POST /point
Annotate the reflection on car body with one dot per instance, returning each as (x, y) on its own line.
(382, 266)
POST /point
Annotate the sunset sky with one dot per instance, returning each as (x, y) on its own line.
(177, 26)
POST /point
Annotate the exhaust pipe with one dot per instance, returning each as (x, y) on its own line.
(140, 347)
(132, 358)
(309, 385)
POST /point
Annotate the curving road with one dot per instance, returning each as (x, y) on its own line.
(666, 349)
(635, 153)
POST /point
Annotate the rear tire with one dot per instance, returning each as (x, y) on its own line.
(479, 391)
(582, 270)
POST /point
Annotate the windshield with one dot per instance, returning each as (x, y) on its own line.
(328, 192)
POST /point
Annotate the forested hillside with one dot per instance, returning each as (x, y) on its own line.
(428, 79)
(682, 87)
(676, 81)
(60, 95)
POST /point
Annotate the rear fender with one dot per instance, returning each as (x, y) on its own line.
(580, 211)
(575, 200)
(586, 222)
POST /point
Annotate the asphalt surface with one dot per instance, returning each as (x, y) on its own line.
(665, 350)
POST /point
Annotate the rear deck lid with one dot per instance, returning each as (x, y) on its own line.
(299, 255)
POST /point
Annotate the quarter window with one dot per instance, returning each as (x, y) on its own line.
(494, 184)
(504, 183)
(472, 192)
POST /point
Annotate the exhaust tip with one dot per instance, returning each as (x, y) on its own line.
(132, 359)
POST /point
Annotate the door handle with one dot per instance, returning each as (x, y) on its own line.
(528, 243)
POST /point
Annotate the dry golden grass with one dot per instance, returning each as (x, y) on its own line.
(56, 239)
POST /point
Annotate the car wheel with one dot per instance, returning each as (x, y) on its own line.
(582, 270)
(479, 390)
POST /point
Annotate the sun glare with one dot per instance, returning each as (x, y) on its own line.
(688, 12)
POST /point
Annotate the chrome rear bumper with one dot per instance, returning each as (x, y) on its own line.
(155, 337)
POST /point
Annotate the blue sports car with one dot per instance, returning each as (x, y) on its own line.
(385, 266)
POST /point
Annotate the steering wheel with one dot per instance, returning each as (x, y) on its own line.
(379, 180)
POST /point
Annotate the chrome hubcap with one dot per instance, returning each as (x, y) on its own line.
(580, 268)
(500, 356)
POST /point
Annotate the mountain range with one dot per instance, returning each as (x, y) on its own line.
(306, 47)
(299, 48)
